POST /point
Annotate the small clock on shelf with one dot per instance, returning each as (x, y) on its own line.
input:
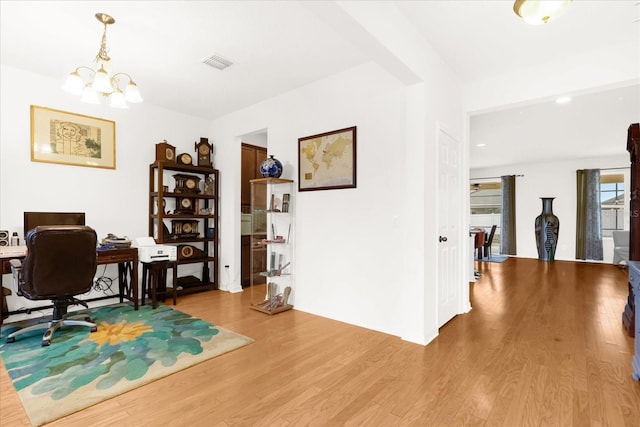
(184, 229)
(189, 252)
(205, 152)
(187, 183)
(185, 205)
(185, 159)
(165, 152)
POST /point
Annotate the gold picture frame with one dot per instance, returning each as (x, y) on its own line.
(72, 139)
(327, 161)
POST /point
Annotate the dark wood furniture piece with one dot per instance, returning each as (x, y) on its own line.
(154, 281)
(479, 242)
(127, 260)
(634, 281)
(252, 158)
(193, 230)
(633, 147)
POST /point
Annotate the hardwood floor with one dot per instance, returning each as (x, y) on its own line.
(543, 345)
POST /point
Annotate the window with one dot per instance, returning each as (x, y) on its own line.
(612, 203)
(486, 208)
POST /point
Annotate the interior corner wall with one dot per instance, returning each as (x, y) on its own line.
(549, 179)
(348, 252)
(114, 200)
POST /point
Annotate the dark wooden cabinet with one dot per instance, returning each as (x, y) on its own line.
(252, 157)
(633, 147)
(183, 210)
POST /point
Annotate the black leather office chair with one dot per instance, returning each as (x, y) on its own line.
(60, 264)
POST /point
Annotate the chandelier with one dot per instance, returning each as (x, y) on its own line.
(100, 79)
(536, 12)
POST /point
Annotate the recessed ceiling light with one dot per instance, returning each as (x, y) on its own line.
(481, 145)
(563, 100)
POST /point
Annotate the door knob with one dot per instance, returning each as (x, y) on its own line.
(443, 238)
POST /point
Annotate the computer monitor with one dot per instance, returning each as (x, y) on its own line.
(34, 219)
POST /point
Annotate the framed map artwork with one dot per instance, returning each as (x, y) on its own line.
(72, 139)
(327, 161)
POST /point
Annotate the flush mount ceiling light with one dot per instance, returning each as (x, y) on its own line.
(563, 100)
(100, 79)
(537, 12)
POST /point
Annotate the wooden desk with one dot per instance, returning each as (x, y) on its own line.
(127, 260)
(479, 240)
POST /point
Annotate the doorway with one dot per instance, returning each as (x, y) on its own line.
(254, 152)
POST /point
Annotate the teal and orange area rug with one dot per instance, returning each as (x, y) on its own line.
(131, 348)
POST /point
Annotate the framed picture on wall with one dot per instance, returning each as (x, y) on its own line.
(327, 161)
(72, 139)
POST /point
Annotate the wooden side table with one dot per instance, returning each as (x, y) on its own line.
(154, 280)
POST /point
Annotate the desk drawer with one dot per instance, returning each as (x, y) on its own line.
(117, 255)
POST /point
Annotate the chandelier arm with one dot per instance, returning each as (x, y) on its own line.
(122, 74)
(84, 67)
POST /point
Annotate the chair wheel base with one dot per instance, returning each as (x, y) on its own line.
(11, 339)
(94, 329)
(46, 343)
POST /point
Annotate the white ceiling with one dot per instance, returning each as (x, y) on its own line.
(277, 46)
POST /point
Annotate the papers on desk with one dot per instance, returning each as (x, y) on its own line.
(12, 251)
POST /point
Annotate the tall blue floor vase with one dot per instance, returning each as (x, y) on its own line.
(547, 227)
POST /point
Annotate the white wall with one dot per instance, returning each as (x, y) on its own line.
(350, 248)
(347, 243)
(366, 256)
(552, 179)
(115, 201)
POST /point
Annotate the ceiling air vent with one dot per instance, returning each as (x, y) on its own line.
(217, 62)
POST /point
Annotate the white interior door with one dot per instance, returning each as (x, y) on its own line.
(449, 202)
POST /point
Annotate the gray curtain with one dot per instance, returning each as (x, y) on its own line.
(508, 217)
(588, 215)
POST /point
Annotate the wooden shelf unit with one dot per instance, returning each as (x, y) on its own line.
(208, 234)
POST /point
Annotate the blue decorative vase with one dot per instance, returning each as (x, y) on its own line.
(271, 168)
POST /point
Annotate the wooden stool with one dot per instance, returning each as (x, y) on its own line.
(154, 280)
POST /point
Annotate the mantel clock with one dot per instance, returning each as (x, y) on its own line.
(187, 183)
(165, 152)
(205, 152)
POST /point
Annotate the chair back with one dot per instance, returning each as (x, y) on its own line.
(491, 233)
(60, 261)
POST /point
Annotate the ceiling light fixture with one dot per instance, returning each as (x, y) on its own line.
(537, 12)
(102, 80)
(563, 100)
